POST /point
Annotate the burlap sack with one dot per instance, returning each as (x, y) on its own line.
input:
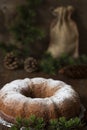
(64, 36)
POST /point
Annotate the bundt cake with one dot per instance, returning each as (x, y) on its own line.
(41, 97)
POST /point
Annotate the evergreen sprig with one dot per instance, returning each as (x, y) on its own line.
(50, 65)
(25, 26)
(9, 48)
(53, 124)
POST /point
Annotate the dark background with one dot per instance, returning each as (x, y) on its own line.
(80, 17)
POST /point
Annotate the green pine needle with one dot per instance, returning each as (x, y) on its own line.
(54, 124)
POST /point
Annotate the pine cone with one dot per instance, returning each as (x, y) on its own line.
(11, 61)
(74, 71)
(31, 64)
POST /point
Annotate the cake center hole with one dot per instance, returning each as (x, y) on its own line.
(39, 92)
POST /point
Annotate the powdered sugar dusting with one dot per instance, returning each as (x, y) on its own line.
(64, 93)
(38, 80)
(16, 85)
(13, 89)
(49, 82)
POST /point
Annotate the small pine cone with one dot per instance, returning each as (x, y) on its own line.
(11, 61)
(30, 64)
(74, 71)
